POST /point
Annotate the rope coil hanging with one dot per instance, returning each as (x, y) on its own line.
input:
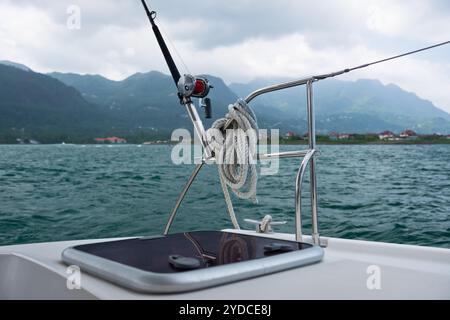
(234, 141)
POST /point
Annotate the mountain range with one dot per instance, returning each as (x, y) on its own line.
(70, 107)
(360, 106)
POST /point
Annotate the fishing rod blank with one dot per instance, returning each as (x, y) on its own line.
(165, 51)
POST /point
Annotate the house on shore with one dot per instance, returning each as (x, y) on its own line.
(408, 135)
(386, 135)
(111, 140)
(339, 136)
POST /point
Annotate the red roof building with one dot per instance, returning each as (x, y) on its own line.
(407, 134)
(110, 140)
(386, 135)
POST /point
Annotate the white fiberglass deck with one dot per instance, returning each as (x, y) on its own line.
(406, 272)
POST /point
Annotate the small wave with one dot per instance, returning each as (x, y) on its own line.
(68, 212)
(348, 207)
(45, 218)
(9, 174)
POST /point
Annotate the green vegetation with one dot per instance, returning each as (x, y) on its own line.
(369, 139)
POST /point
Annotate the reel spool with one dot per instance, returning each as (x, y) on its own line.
(190, 86)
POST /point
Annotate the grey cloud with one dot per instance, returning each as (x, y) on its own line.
(323, 23)
(226, 23)
(235, 21)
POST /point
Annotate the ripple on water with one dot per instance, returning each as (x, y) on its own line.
(54, 193)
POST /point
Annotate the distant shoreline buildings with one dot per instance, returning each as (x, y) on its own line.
(389, 136)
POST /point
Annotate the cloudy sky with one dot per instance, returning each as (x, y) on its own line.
(238, 40)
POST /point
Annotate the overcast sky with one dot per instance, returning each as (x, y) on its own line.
(238, 40)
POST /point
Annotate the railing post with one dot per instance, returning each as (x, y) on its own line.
(312, 164)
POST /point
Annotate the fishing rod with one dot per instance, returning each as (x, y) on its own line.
(165, 51)
(188, 85)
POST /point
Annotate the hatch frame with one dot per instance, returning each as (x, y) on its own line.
(157, 282)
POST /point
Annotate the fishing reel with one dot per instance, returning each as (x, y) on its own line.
(190, 86)
(196, 87)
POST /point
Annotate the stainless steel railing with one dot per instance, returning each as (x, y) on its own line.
(308, 159)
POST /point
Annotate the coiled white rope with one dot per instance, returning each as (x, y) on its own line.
(234, 141)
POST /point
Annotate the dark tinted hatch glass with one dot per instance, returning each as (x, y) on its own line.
(210, 248)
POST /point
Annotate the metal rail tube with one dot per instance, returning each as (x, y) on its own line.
(281, 155)
(268, 156)
(298, 195)
(181, 197)
(198, 126)
(312, 166)
(277, 87)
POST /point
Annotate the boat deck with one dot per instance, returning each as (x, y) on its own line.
(350, 269)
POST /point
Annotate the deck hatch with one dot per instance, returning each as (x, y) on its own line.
(148, 264)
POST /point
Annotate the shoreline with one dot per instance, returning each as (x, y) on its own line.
(390, 143)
